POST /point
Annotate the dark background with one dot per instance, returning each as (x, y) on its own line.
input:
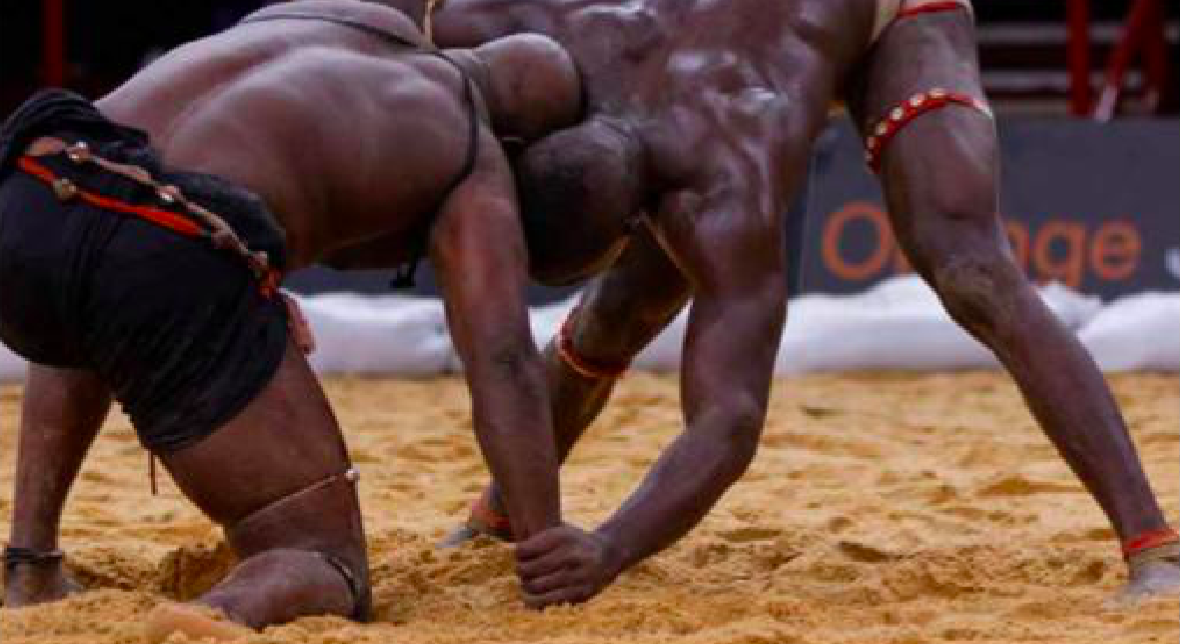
(1064, 178)
(107, 40)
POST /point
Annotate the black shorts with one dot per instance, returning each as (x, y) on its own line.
(180, 331)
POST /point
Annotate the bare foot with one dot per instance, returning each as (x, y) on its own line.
(192, 620)
(28, 585)
(1153, 577)
(484, 521)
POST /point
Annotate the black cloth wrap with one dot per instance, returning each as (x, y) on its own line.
(179, 330)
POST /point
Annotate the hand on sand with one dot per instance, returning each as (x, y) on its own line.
(29, 585)
(565, 565)
(1154, 578)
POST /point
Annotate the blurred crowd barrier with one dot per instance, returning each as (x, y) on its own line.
(897, 325)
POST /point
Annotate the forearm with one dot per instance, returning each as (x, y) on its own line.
(685, 483)
(513, 423)
(60, 416)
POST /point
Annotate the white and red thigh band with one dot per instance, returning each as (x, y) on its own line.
(878, 138)
(890, 11)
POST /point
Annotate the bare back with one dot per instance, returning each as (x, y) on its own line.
(345, 136)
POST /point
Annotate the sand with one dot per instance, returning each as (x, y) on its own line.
(881, 508)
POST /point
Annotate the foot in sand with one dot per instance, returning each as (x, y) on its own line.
(1158, 578)
(194, 621)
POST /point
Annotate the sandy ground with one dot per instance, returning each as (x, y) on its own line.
(882, 508)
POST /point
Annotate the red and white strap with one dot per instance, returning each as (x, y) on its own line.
(901, 116)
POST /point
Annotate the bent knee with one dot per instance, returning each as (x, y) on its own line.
(979, 290)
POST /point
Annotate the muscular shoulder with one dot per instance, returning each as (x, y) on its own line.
(718, 136)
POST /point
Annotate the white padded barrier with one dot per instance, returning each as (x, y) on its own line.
(898, 324)
(378, 335)
(1137, 332)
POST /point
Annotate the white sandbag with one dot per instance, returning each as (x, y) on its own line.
(1072, 308)
(898, 324)
(1137, 332)
(546, 321)
(12, 366)
(876, 330)
(378, 335)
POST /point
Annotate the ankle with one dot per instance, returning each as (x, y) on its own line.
(1154, 544)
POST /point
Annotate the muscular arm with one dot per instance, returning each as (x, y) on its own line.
(62, 412)
(732, 339)
(477, 248)
(730, 346)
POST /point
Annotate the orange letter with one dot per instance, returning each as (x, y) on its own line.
(1018, 238)
(834, 230)
(1115, 251)
(1068, 269)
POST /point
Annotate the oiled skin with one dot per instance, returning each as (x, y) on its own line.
(726, 99)
(346, 138)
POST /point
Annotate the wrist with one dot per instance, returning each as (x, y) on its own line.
(618, 557)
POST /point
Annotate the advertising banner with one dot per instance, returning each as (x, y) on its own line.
(1093, 206)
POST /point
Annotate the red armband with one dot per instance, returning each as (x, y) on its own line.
(589, 369)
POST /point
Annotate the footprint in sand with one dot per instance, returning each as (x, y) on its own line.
(749, 534)
(1020, 485)
(866, 553)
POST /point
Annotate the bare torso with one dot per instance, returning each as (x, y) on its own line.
(346, 137)
(714, 87)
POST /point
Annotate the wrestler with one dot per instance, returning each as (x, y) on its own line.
(712, 108)
(142, 238)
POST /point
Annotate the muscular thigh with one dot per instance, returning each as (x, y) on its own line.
(286, 439)
(914, 55)
(940, 172)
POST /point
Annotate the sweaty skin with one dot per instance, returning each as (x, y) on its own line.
(723, 101)
(347, 138)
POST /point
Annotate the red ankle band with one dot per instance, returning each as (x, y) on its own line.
(1148, 540)
(484, 513)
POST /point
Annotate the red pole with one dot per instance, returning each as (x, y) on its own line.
(1130, 44)
(53, 53)
(1155, 57)
(1081, 95)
